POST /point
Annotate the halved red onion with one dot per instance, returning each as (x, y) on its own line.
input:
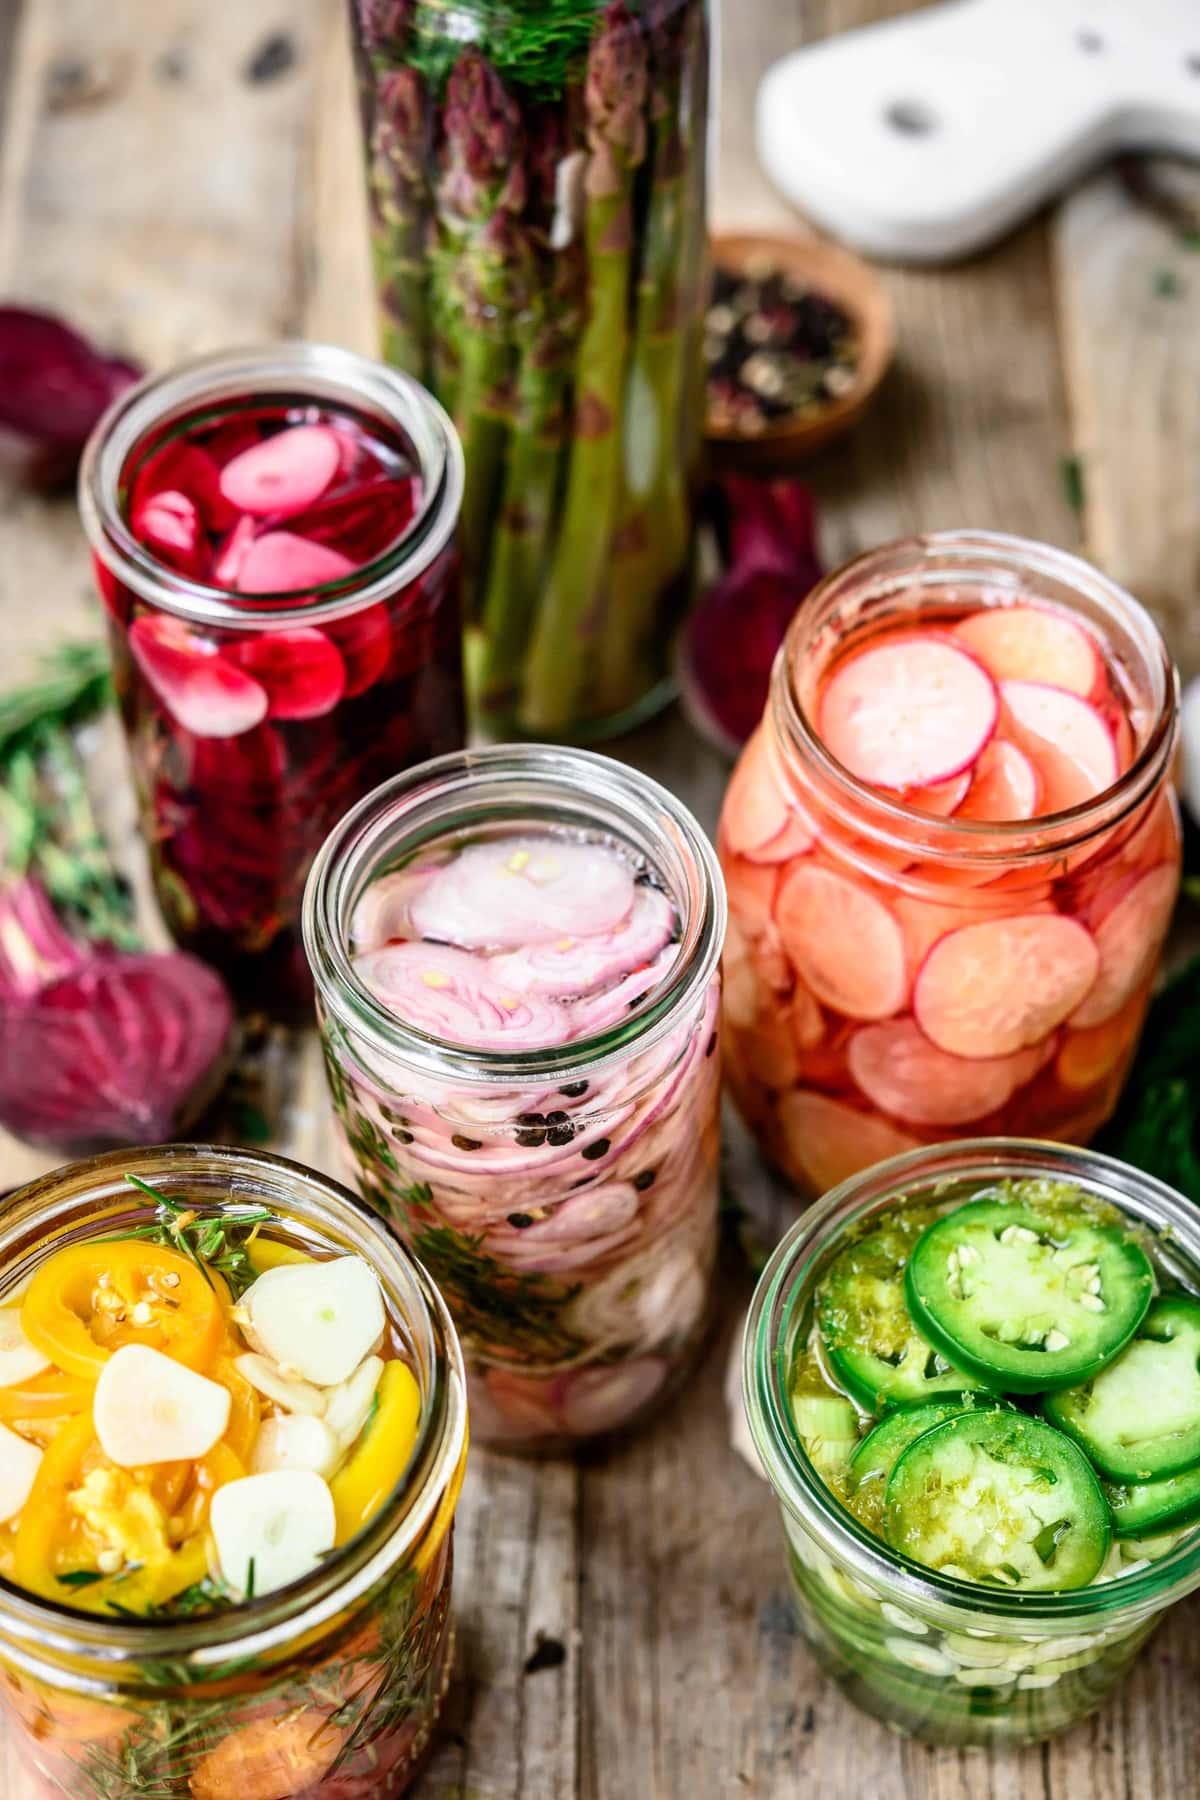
(572, 966)
(451, 995)
(519, 891)
(35, 948)
(205, 691)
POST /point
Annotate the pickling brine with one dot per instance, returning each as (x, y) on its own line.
(518, 994)
(952, 854)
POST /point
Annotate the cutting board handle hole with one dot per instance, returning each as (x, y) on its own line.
(911, 118)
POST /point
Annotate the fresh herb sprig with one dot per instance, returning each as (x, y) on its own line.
(217, 1241)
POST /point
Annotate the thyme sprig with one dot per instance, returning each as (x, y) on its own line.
(217, 1241)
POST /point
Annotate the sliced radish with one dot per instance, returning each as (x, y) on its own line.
(301, 670)
(1129, 939)
(768, 1051)
(201, 689)
(272, 1528)
(1090, 1055)
(294, 1395)
(750, 888)
(364, 641)
(19, 1359)
(807, 1019)
(517, 891)
(844, 942)
(945, 797)
(570, 967)
(227, 568)
(279, 562)
(184, 468)
(902, 1073)
(295, 1441)
(318, 1319)
(19, 1463)
(362, 520)
(1004, 785)
(1070, 743)
(348, 1406)
(150, 1409)
(909, 713)
(1031, 643)
(283, 474)
(989, 989)
(452, 995)
(169, 524)
(758, 820)
(824, 1141)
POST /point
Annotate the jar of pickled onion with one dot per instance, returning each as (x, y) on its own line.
(516, 958)
(951, 851)
(233, 1435)
(273, 539)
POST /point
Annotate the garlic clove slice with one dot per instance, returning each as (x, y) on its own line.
(294, 1396)
(271, 1528)
(19, 1359)
(150, 1409)
(317, 1319)
(295, 1441)
(348, 1406)
(19, 1462)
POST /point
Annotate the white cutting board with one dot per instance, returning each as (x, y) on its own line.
(922, 138)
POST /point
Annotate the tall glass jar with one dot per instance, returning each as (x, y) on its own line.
(255, 718)
(328, 1688)
(898, 972)
(564, 1198)
(536, 180)
(936, 1658)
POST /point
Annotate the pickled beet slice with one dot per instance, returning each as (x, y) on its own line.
(1004, 984)
(572, 966)
(169, 524)
(249, 768)
(825, 1141)
(301, 670)
(908, 713)
(203, 690)
(1031, 643)
(515, 892)
(1129, 939)
(451, 995)
(844, 942)
(902, 1073)
(280, 562)
(1004, 785)
(284, 473)
(1069, 742)
(364, 640)
(183, 467)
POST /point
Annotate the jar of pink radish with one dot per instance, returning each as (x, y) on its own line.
(952, 851)
(273, 540)
(516, 958)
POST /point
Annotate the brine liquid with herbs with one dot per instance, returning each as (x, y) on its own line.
(569, 1220)
(252, 734)
(896, 977)
(1002, 1388)
(195, 1414)
(536, 182)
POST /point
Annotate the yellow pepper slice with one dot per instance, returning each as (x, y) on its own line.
(89, 1298)
(443, 1518)
(42, 1516)
(245, 1411)
(364, 1483)
(268, 1253)
(46, 1396)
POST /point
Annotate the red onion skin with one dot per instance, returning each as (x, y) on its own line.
(53, 388)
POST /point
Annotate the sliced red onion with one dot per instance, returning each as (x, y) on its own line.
(203, 690)
(572, 966)
(516, 892)
(451, 995)
(284, 473)
(599, 1013)
(602, 1398)
(301, 670)
(593, 1215)
(53, 388)
(385, 911)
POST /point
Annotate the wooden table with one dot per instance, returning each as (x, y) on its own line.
(169, 203)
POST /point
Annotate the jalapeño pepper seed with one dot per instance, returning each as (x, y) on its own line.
(465, 1143)
(574, 1089)
(601, 1147)
(520, 1221)
(645, 1180)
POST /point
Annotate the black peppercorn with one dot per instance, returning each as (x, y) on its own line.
(592, 1152)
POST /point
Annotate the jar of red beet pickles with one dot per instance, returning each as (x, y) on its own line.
(273, 540)
(951, 851)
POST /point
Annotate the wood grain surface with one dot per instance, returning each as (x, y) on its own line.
(166, 201)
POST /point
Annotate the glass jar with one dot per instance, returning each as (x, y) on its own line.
(537, 200)
(329, 1687)
(255, 719)
(840, 894)
(944, 1660)
(564, 1199)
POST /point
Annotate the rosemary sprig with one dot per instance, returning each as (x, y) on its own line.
(206, 1239)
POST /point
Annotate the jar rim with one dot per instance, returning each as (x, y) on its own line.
(327, 374)
(785, 1285)
(268, 1624)
(1003, 560)
(495, 781)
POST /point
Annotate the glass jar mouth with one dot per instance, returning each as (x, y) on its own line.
(788, 1281)
(324, 373)
(535, 783)
(50, 1205)
(1003, 563)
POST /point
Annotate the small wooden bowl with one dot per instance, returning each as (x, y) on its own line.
(854, 286)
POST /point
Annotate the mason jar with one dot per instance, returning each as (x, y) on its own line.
(278, 645)
(944, 1660)
(562, 1193)
(537, 203)
(329, 1687)
(908, 965)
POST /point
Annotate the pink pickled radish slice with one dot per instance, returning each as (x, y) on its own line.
(365, 642)
(741, 992)
(279, 562)
(301, 670)
(944, 798)
(572, 966)
(385, 910)
(1002, 985)
(283, 474)
(750, 888)
(807, 1019)
(1129, 939)
(202, 690)
(825, 1141)
(757, 819)
(600, 1399)
(1068, 740)
(451, 995)
(227, 568)
(768, 1051)
(909, 713)
(184, 468)
(168, 524)
(517, 891)
(1090, 1055)
(902, 1073)
(1031, 643)
(844, 942)
(598, 1012)
(1004, 785)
